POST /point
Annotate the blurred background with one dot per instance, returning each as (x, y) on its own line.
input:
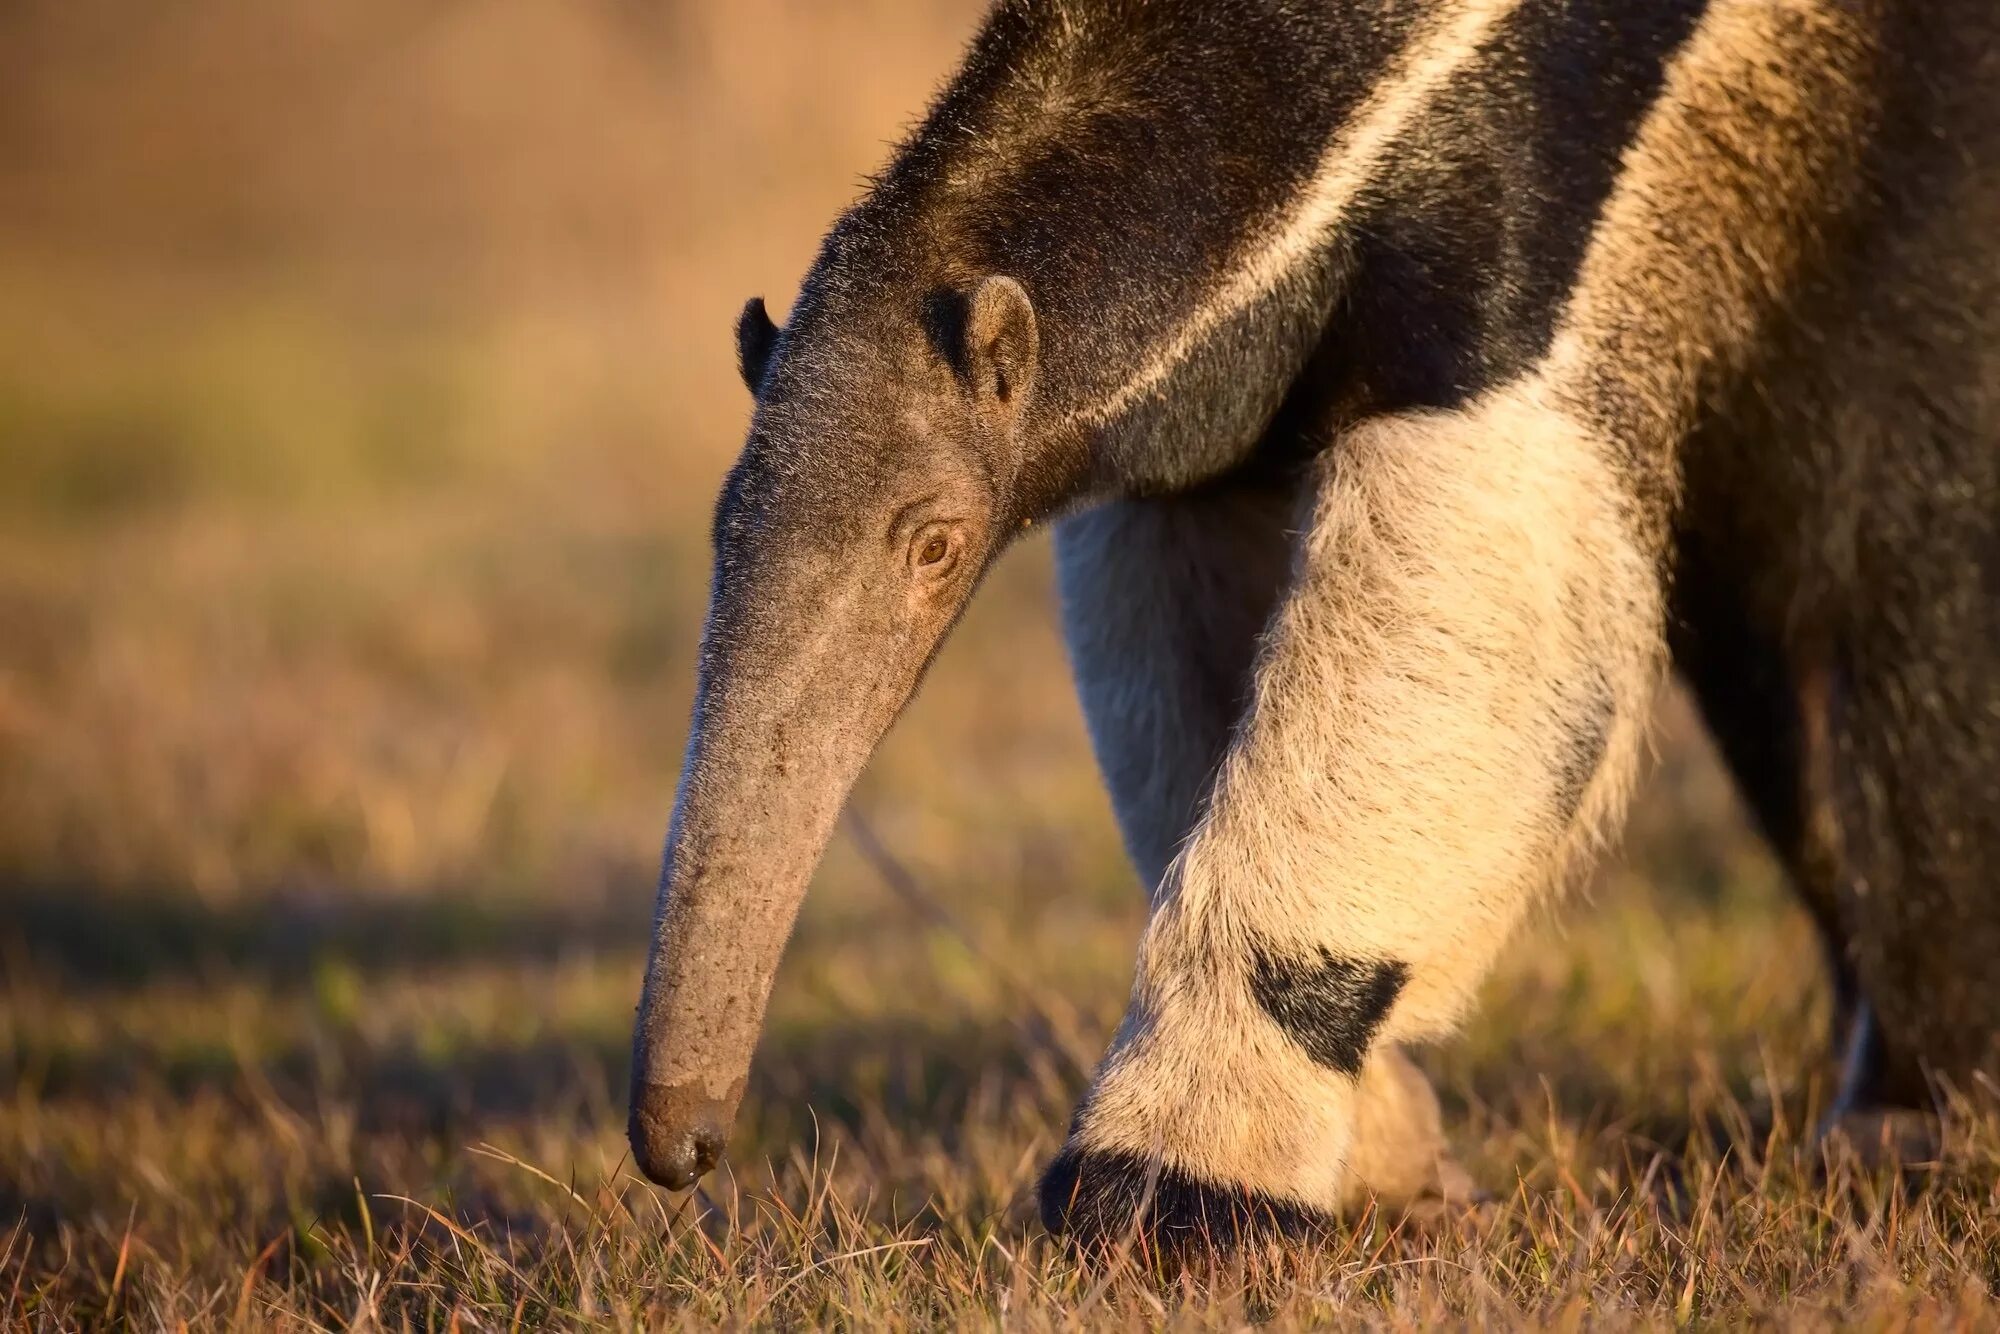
(365, 382)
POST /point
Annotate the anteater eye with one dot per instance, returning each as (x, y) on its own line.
(934, 550)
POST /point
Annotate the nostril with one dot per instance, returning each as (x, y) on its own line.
(676, 1159)
(677, 1136)
(676, 1167)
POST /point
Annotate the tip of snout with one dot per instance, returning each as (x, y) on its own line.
(679, 1161)
(677, 1135)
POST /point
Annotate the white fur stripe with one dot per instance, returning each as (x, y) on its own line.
(1346, 168)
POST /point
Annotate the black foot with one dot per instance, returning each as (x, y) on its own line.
(1101, 1201)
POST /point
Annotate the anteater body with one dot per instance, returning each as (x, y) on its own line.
(1414, 383)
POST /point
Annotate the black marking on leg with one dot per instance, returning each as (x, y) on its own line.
(1329, 1005)
(1096, 1200)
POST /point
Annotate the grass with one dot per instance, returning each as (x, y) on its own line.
(328, 856)
(352, 509)
(320, 1106)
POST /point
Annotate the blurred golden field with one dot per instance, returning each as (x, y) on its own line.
(365, 382)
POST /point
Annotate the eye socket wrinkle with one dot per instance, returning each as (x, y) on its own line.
(913, 515)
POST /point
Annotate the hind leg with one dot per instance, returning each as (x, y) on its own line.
(1769, 719)
(1914, 740)
(1866, 775)
(1917, 923)
(1164, 602)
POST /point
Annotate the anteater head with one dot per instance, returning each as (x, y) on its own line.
(884, 470)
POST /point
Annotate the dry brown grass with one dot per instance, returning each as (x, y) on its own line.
(364, 379)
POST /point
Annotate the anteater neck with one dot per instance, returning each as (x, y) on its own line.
(1230, 216)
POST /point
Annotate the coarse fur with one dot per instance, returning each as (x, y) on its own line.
(1468, 580)
(1415, 383)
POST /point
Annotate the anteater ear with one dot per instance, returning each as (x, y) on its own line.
(1001, 343)
(755, 337)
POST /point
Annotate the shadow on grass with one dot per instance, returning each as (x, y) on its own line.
(84, 938)
(913, 1077)
(316, 1113)
(929, 1079)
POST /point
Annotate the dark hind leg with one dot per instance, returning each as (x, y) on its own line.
(1863, 772)
(1914, 729)
(1850, 486)
(1771, 718)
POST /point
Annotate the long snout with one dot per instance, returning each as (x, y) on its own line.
(738, 860)
(782, 727)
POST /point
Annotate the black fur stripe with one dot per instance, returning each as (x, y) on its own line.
(1098, 1199)
(1329, 1005)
